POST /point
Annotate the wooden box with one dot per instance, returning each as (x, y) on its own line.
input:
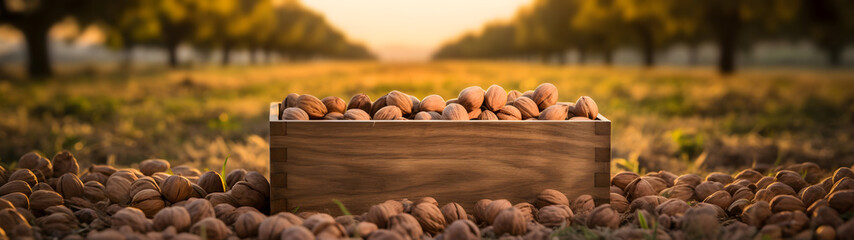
(362, 163)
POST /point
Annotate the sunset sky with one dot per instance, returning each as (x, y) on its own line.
(411, 30)
(394, 30)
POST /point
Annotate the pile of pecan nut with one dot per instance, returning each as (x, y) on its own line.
(473, 103)
(54, 198)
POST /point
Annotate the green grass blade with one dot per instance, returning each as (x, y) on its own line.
(654, 230)
(642, 220)
(341, 206)
(222, 173)
(589, 234)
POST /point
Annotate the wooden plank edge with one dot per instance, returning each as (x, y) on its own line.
(274, 117)
(274, 111)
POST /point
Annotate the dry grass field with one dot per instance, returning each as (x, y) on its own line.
(677, 119)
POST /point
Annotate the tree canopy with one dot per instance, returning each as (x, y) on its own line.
(286, 27)
(548, 29)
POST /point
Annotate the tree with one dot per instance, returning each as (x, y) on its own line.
(289, 28)
(495, 40)
(542, 29)
(356, 51)
(456, 48)
(688, 31)
(315, 34)
(652, 23)
(130, 24)
(178, 20)
(300, 33)
(830, 24)
(262, 19)
(735, 24)
(231, 25)
(35, 18)
(599, 28)
(545, 27)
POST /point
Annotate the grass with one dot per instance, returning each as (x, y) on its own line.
(222, 173)
(663, 118)
(341, 207)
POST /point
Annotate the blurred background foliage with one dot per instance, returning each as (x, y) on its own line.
(547, 29)
(542, 31)
(257, 26)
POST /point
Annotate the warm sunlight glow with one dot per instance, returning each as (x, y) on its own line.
(411, 30)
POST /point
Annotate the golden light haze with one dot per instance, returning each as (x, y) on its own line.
(396, 31)
(407, 31)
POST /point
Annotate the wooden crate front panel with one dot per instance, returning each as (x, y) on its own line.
(363, 163)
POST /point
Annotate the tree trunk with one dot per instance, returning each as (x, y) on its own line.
(726, 60)
(172, 51)
(608, 57)
(693, 54)
(648, 57)
(726, 51)
(834, 56)
(647, 47)
(582, 55)
(226, 52)
(253, 58)
(561, 57)
(38, 57)
(727, 29)
(544, 57)
(208, 55)
(127, 56)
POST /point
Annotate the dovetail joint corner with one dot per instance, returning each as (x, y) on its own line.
(602, 128)
(601, 154)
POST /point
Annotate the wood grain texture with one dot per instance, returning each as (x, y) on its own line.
(274, 111)
(363, 163)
